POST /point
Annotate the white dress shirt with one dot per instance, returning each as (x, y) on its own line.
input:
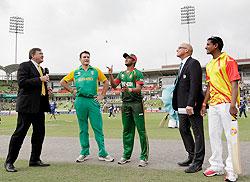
(36, 64)
(183, 62)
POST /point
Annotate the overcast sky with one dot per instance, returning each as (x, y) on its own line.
(151, 29)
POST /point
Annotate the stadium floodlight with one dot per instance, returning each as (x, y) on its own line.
(188, 17)
(17, 27)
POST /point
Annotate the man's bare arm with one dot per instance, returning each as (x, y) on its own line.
(233, 110)
(111, 77)
(65, 85)
(105, 87)
(207, 97)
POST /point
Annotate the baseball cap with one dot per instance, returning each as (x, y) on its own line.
(130, 55)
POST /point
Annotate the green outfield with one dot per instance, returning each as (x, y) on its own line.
(66, 125)
(65, 172)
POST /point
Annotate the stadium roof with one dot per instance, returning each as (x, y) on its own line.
(10, 68)
(243, 61)
(164, 71)
(160, 71)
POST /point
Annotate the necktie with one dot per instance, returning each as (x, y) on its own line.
(179, 72)
(43, 85)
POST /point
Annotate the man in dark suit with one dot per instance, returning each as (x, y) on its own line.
(187, 100)
(32, 102)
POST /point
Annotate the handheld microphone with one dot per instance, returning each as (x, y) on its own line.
(46, 71)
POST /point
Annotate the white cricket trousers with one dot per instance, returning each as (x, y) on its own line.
(219, 118)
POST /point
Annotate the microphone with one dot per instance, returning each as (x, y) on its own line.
(46, 71)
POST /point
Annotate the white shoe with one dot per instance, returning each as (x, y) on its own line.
(123, 161)
(108, 158)
(231, 177)
(143, 163)
(209, 172)
(82, 158)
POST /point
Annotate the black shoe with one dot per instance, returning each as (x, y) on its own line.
(9, 167)
(193, 168)
(186, 162)
(38, 164)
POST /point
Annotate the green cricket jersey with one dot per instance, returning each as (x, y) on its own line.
(129, 79)
(86, 82)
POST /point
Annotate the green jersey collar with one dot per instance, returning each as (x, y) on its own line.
(90, 67)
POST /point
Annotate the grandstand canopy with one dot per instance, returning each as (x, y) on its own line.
(9, 68)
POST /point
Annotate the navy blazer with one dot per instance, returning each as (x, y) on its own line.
(29, 99)
(188, 88)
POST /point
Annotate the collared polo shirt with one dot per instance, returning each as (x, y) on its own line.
(130, 79)
(220, 72)
(86, 82)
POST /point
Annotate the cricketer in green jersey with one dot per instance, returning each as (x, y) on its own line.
(131, 82)
(86, 80)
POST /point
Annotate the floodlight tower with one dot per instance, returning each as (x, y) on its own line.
(188, 17)
(17, 27)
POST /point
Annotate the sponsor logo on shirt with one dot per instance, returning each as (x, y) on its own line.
(86, 79)
(128, 84)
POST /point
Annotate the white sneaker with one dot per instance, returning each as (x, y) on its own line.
(123, 161)
(209, 172)
(82, 158)
(108, 158)
(143, 163)
(231, 177)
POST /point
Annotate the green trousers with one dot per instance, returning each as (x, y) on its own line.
(133, 116)
(90, 108)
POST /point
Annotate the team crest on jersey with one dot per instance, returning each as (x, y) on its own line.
(122, 76)
(92, 72)
(78, 73)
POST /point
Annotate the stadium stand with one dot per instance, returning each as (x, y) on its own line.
(155, 80)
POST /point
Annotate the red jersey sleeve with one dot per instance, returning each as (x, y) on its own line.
(232, 70)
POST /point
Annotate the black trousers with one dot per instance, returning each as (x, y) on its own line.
(194, 146)
(243, 111)
(24, 121)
